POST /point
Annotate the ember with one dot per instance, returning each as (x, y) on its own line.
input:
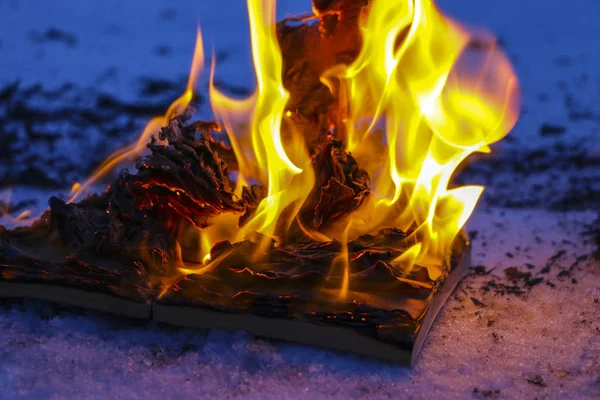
(322, 214)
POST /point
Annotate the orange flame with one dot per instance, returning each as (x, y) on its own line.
(133, 150)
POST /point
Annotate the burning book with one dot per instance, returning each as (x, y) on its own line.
(318, 210)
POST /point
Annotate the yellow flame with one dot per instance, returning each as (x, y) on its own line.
(233, 115)
(405, 261)
(410, 81)
(153, 126)
(260, 150)
(265, 123)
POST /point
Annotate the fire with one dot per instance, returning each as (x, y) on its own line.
(261, 153)
(276, 169)
(409, 81)
(414, 104)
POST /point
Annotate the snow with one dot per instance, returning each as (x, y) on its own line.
(543, 343)
(119, 41)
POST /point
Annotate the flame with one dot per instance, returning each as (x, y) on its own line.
(411, 80)
(152, 127)
(277, 170)
(414, 105)
(259, 149)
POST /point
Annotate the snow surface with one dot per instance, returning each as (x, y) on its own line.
(488, 341)
(119, 41)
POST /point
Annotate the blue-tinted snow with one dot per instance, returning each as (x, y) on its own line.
(119, 41)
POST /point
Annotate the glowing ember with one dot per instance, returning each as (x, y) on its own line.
(414, 104)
